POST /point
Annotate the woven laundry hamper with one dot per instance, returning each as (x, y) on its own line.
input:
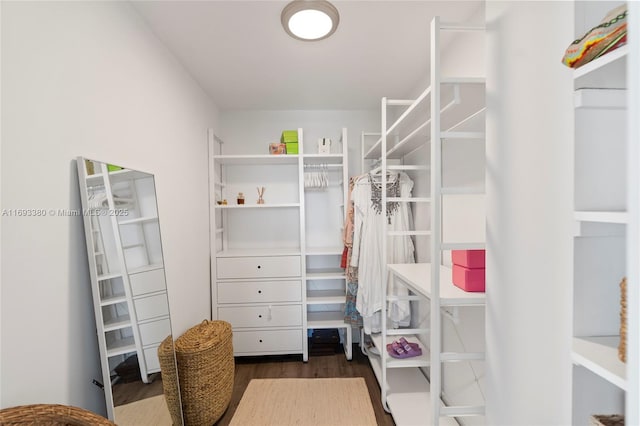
(606, 420)
(51, 414)
(204, 355)
(167, 359)
(622, 346)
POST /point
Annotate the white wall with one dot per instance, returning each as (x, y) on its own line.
(529, 213)
(88, 78)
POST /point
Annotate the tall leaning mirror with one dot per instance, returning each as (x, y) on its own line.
(129, 290)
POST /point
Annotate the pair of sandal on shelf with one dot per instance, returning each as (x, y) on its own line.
(403, 349)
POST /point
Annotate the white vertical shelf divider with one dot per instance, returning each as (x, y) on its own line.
(303, 245)
(632, 410)
(436, 224)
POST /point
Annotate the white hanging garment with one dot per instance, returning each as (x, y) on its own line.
(369, 216)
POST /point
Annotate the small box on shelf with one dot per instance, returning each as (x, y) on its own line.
(468, 272)
(277, 148)
(289, 136)
(468, 258)
(292, 148)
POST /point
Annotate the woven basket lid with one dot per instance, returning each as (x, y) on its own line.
(203, 336)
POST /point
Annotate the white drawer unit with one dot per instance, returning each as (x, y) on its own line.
(259, 291)
(151, 359)
(262, 316)
(267, 341)
(154, 332)
(258, 267)
(147, 282)
(151, 307)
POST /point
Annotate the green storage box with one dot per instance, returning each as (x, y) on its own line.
(289, 136)
(292, 147)
(113, 168)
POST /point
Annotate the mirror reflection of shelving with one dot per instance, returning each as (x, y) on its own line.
(127, 270)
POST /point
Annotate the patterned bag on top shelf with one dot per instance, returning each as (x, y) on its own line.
(610, 34)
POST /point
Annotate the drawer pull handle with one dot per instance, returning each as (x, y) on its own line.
(259, 266)
(260, 340)
(260, 316)
(259, 291)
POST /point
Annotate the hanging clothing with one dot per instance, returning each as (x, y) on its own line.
(351, 314)
(369, 217)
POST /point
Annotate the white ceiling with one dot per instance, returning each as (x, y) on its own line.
(239, 53)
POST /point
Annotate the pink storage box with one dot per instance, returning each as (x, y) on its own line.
(468, 279)
(468, 258)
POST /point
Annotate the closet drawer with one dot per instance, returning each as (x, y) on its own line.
(267, 291)
(151, 359)
(283, 341)
(147, 282)
(258, 267)
(151, 307)
(262, 316)
(154, 332)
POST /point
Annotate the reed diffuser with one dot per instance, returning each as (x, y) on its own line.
(260, 194)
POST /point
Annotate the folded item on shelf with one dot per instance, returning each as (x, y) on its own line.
(610, 34)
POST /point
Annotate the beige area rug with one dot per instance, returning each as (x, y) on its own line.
(308, 402)
(150, 411)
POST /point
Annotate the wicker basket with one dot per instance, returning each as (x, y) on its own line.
(167, 359)
(622, 346)
(204, 354)
(51, 414)
(606, 420)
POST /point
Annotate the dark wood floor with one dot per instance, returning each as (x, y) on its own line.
(264, 367)
(335, 365)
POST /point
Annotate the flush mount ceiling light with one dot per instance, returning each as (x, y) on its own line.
(310, 20)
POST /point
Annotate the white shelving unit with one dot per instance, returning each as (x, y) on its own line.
(448, 111)
(606, 244)
(273, 280)
(257, 264)
(126, 267)
(325, 282)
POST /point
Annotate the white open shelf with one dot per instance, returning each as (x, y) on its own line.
(256, 206)
(417, 277)
(601, 62)
(325, 274)
(599, 354)
(416, 361)
(138, 220)
(408, 396)
(602, 216)
(121, 347)
(326, 319)
(323, 251)
(600, 98)
(118, 323)
(325, 297)
(256, 159)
